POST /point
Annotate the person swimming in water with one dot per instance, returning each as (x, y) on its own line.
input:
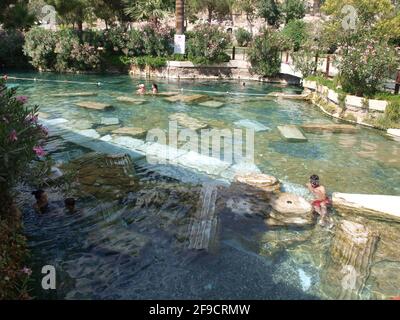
(142, 89)
(154, 88)
(70, 205)
(42, 202)
(322, 201)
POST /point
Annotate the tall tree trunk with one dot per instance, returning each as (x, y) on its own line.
(180, 16)
(210, 12)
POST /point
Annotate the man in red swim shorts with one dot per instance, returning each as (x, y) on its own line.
(322, 201)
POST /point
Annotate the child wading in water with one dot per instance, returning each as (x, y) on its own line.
(322, 200)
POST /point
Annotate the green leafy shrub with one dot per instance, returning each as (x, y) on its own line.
(365, 66)
(264, 53)
(150, 61)
(40, 47)
(207, 44)
(11, 54)
(60, 51)
(243, 37)
(296, 33)
(293, 9)
(392, 112)
(21, 137)
(21, 142)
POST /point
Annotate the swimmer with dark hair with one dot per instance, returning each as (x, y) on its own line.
(42, 202)
(322, 201)
(70, 205)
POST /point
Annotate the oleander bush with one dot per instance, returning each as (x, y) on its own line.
(264, 53)
(21, 142)
(207, 44)
(365, 66)
(243, 37)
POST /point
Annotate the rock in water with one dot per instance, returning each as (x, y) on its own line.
(130, 131)
(74, 94)
(212, 104)
(109, 121)
(351, 252)
(94, 105)
(102, 176)
(290, 210)
(131, 100)
(257, 184)
(188, 99)
(188, 122)
(203, 226)
(291, 133)
(251, 124)
(329, 127)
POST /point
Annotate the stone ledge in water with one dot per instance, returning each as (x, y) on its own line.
(203, 163)
(75, 94)
(290, 209)
(330, 127)
(94, 105)
(394, 132)
(251, 124)
(168, 93)
(188, 99)
(188, 122)
(131, 100)
(161, 153)
(131, 131)
(90, 133)
(106, 138)
(128, 142)
(292, 133)
(56, 121)
(212, 104)
(374, 206)
(109, 121)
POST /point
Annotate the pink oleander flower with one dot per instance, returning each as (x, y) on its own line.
(13, 136)
(32, 118)
(39, 151)
(27, 271)
(22, 99)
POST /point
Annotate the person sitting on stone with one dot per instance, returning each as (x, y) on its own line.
(322, 201)
(154, 88)
(70, 205)
(42, 203)
(142, 89)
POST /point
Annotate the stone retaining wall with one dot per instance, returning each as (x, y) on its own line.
(234, 70)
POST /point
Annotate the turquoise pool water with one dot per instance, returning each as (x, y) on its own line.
(92, 265)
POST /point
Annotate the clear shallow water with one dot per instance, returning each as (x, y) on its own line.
(127, 250)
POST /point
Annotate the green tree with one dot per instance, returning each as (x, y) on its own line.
(250, 10)
(269, 11)
(71, 11)
(16, 15)
(213, 7)
(293, 9)
(265, 53)
(147, 10)
(296, 33)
